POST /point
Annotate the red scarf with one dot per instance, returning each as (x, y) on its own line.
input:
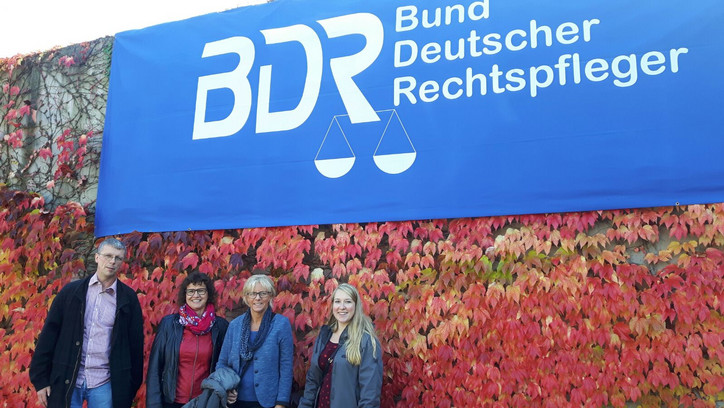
(198, 325)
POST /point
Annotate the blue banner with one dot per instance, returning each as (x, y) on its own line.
(303, 112)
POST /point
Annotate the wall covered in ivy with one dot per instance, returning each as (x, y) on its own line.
(590, 309)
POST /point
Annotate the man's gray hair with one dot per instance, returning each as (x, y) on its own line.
(113, 243)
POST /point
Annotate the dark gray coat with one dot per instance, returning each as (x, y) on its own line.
(214, 389)
(352, 386)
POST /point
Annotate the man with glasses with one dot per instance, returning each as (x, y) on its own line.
(91, 345)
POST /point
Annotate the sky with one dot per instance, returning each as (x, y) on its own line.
(39, 25)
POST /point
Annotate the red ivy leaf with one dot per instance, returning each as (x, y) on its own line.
(191, 260)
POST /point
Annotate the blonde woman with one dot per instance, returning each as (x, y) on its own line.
(259, 347)
(346, 366)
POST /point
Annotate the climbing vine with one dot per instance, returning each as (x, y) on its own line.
(590, 309)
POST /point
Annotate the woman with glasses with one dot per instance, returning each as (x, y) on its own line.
(259, 347)
(346, 366)
(186, 347)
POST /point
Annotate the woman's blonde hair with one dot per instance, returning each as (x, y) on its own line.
(265, 283)
(356, 328)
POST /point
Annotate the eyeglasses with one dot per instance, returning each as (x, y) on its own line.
(111, 258)
(262, 295)
(191, 292)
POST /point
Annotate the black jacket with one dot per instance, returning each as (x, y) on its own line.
(163, 361)
(56, 359)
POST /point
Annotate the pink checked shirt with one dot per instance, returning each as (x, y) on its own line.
(100, 315)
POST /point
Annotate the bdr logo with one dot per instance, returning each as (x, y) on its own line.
(343, 69)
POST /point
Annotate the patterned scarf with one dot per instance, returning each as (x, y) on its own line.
(197, 324)
(247, 350)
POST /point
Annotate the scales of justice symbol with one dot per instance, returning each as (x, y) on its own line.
(394, 133)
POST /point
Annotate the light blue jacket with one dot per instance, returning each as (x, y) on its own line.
(273, 361)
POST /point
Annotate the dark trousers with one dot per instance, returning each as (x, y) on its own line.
(245, 404)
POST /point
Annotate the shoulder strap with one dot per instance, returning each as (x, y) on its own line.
(331, 359)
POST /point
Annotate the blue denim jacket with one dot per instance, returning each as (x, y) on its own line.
(273, 361)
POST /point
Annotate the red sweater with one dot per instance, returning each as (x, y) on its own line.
(194, 365)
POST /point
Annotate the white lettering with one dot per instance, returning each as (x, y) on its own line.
(516, 76)
(460, 54)
(399, 90)
(426, 23)
(623, 71)
(509, 40)
(674, 57)
(631, 73)
(492, 40)
(406, 19)
(535, 30)
(344, 68)
(561, 67)
(449, 13)
(484, 13)
(446, 88)
(430, 53)
(398, 52)
(495, 74)
(470, 82)
(236, 80)
(428, 91)
(286, 120)
(587, 24)
(535, 83)
(646, 63)
(567, 29)
(594, 66)
(406, 16)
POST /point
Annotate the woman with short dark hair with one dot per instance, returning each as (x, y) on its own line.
(187, 345)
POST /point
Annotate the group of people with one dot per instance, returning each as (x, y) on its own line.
(91, 348)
